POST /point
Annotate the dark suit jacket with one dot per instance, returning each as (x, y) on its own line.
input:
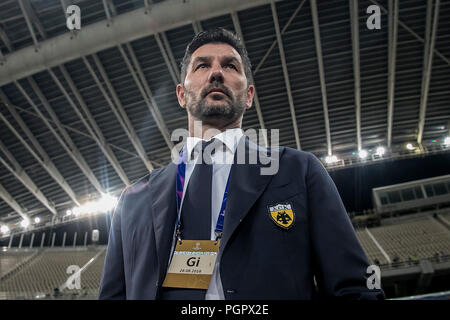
(259, 259)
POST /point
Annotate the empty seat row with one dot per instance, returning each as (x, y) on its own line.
(407, 241)
(47, 271)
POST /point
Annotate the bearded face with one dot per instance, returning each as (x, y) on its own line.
(215, 89)
(215, 102)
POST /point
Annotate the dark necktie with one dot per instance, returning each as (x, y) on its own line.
(196, 210)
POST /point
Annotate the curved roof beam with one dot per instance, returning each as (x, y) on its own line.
(323, 87)
(287, 82)
(40, 154)
(404, 26)
(427, 66)
(237, 27)
(98, 36)
(16, 169)
(13, 203)
(354, 18)
(392, 56)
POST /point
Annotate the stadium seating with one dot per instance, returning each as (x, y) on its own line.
(445, 216)
(407, 241)
(90, 277)
(11, 259)
(47, 271)
(35, 273)
(372, 252)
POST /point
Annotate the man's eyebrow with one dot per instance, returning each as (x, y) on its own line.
(201, 59)
(231, 59)
(225, 59)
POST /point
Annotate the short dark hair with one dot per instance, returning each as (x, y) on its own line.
(217, 35)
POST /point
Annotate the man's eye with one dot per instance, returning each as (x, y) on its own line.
(230, 65)
(200, 66)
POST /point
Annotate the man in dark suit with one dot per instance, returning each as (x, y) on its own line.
(285, 235)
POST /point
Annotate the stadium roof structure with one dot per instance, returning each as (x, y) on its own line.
(89, 111)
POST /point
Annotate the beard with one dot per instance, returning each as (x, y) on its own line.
(229, 109)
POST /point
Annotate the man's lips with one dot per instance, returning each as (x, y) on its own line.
(217, 91)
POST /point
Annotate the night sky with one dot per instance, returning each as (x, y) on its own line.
(355, 184)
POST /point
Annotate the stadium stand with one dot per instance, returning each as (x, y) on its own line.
(411, 245)
(405, 239)
(373, 253)
(12, 259)
(414, 240)
(90, 278)
(399, 242)
(445, 216)
(46, 273)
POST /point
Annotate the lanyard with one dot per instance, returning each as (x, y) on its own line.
(181, 173)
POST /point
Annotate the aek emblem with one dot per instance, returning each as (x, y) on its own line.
(282, 215)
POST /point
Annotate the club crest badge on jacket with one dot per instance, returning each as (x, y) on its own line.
(282, 214)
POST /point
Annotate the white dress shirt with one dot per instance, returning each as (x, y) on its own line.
(222, 162)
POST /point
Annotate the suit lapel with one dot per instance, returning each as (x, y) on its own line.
(246, 186)
(164, 213)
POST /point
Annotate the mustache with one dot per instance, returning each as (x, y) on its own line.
(216, 85)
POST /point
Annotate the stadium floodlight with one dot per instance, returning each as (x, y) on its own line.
(447, 141)
(25, 223)
(331, 159)
(76, 211)
(103, 205)
(380, 151)
(88, 207)
(409, 146)
(362, 154)
(4, 229)
(107, 203)
(37, 220)
(69, 213)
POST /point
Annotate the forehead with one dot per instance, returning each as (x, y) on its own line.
(216, 50)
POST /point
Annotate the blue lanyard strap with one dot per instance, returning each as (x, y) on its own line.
(180, 180)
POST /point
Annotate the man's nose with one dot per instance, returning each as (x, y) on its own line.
(216, 74)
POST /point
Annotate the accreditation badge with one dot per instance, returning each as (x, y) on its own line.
(192, 264)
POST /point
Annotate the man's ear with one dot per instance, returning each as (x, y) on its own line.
(250, 95)
(180, 96)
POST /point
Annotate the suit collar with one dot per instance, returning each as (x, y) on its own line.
(230, 139)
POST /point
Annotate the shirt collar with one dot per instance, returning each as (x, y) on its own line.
(229, 137)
